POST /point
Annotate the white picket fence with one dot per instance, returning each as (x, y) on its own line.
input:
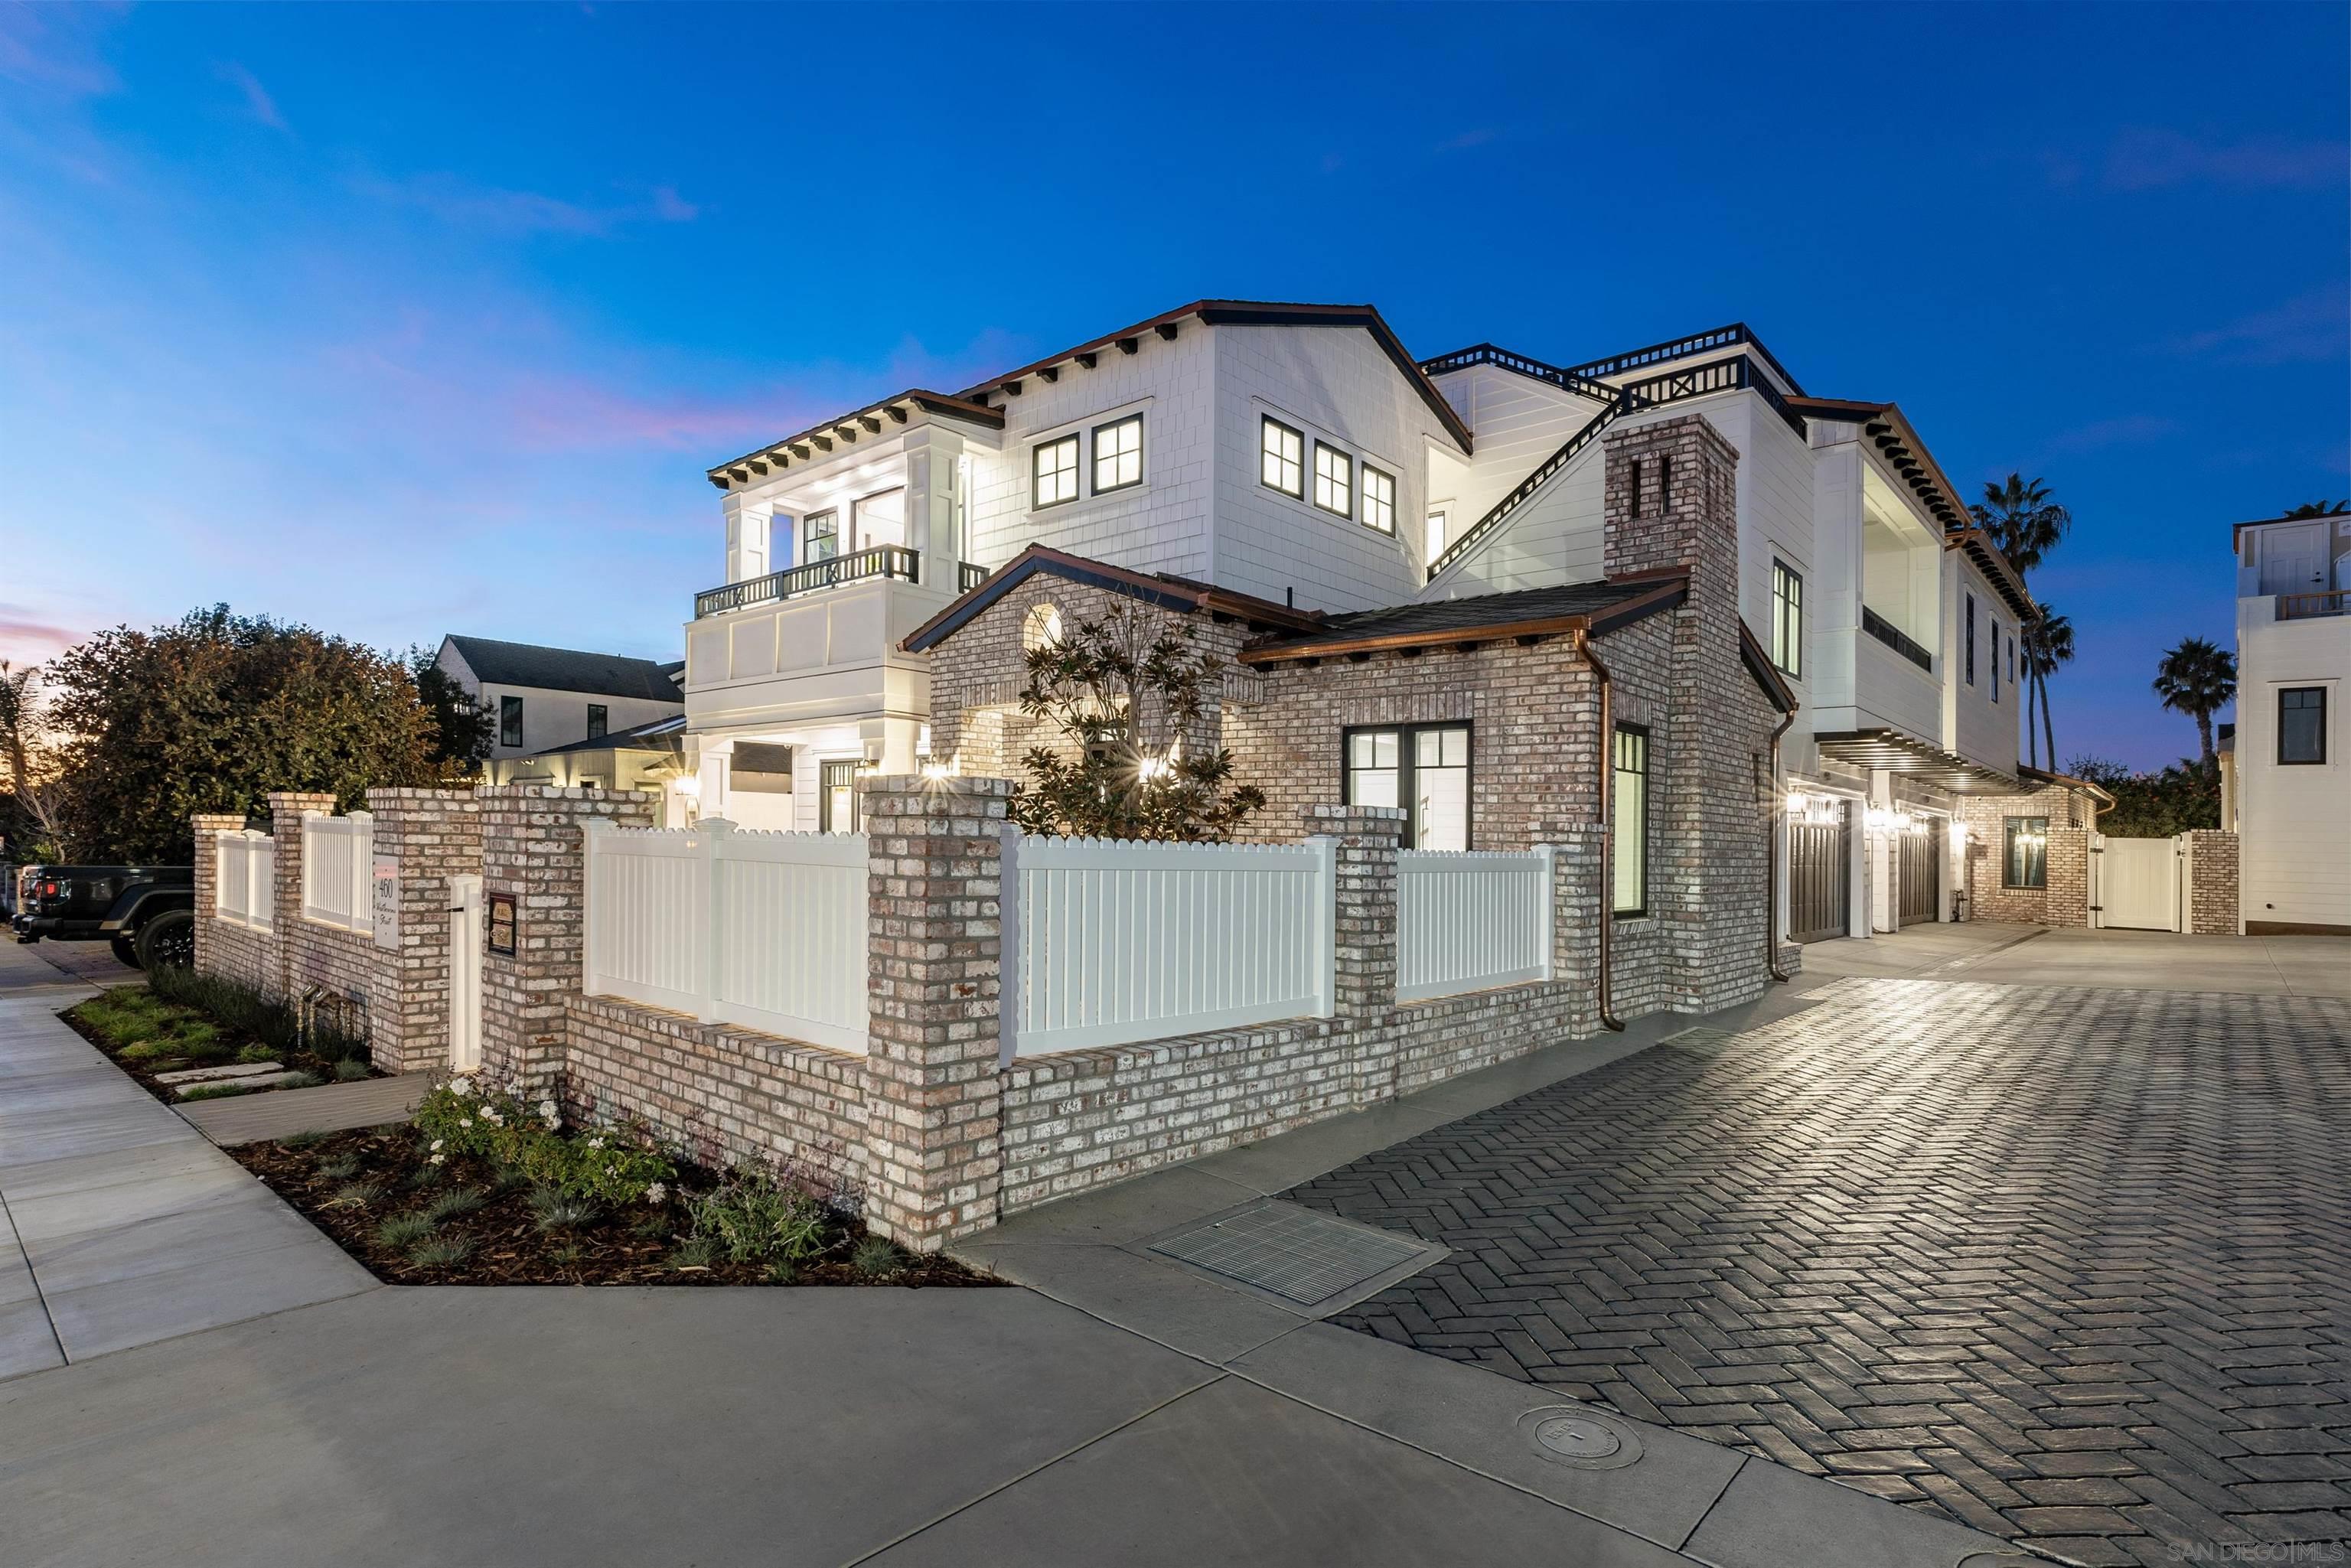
(337, 862)
(1467, 922)
(1109, 942)
(762, 929)
(245, 878)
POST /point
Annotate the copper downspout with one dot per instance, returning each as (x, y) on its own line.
(1608, 1018)
(1772, 862)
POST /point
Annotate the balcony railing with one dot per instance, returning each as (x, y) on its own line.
(2307, 606)
(880, 560)
(1878, 626)
(969, 575)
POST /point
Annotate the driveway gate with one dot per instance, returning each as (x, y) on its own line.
(1819, 874)
(2135, 884)
(1919, 882)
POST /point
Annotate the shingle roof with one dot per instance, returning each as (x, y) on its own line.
(1480, 617)
(655, 735)
(567, 670)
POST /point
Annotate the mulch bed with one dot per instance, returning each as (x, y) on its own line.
(222, 1052)
(624, 1246)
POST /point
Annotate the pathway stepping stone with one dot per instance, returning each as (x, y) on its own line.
(220, 1075)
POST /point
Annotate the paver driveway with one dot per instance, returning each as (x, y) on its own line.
(2068, 1265)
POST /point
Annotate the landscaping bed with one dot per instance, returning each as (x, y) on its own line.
(181, 1023)
(528, 1204)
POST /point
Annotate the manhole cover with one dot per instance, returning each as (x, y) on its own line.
(1298, 1254)
(1573, 1434)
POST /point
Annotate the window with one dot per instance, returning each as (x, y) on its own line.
(596, 721)
(510, 721)
(879, 520)
(1054, 472)
(1664, 485)
(1436, 523)
(2026, 861)
(1972, 639)
(1424, 769)
(836, 799)
(1040, 628)
(1787, 620)
(1334, 480)
(2302, 725)
(1118, 454)
(1632, 501)
(1379, 499)
(2011, 658)
(1995, 658)
(1631, 852)
(823, 535)
(1283, 459)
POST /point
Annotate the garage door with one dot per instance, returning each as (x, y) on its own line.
(1819, 869)
(2138, 884)
(1920, 881)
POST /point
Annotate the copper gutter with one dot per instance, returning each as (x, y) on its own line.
(1771, 859)
(1608, 1018)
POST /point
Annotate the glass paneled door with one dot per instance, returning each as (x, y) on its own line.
(836, 798)
(1424, 769)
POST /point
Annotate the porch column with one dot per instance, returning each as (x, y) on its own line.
(749, 545)
(932, 524)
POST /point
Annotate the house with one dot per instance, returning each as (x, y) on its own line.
(543, 699)
(1296, 471)
(2289, 795)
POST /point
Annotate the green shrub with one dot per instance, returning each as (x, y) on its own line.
(254, 1055)
(214, 1091)
(441, 1251)
(558, 1210)
(465, 1116)
(752, 1217)
(350, 1070)
(876, 1258)
(342, 1167)
(695, 1252)
(783, 1272)
(359, 1193)
(405, 1230)
(456, 1201)
(302, 1140)
(303, 1081)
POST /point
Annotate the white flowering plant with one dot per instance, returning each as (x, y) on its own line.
(469, 1116)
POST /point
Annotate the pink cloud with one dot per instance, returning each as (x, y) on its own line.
(2152, 160)
(256, 97)
(24, 641)
(55, 47)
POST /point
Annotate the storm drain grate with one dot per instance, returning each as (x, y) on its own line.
(1295, 1253)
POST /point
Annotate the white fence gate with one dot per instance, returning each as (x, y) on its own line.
(2137, 884)
(762, 929)
(337, 866)
(1109, 942)
(1469, 922)
(245, 878)
(465, 971)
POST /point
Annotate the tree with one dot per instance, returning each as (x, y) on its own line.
(2022, 520)
(2197, 678)
(462, 728)
(1124, 692)
(211, 714)
(2320, 510)
(29, 813)
(2182, 796)
(2048, 644)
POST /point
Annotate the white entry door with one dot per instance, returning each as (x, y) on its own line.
(2138, 884)
(464, 973)
(2294, 560)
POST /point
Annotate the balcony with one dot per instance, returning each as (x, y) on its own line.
(1878, 626)
(881, 561)
(2310, 606)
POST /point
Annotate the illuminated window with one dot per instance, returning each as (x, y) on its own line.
(836, 799)
(1118, 454)
(1631, 848)
(1054, 472)
(1424, 769)
(1334, 480)
(1787, 620)
(1379, 499)
(1282, 453)
(2025, 862)
(823, 532)
(1041, 629)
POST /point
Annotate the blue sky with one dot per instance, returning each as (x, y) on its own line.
(415, 319)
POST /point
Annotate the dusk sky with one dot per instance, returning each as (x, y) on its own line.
(409, 320)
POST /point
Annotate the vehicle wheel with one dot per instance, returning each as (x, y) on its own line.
(167, 941)
(126, 951)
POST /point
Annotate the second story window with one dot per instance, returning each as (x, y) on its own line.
(1334, 480)
(1995, 659)
(821, 536)
(1118, 454)
(1283, 459)
(1054, 472)
(510, 721)
(2302, 726)
(1787, 620)
(1379, 499)
(1972, 639)
(597, 720)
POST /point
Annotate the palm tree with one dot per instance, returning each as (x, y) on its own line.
(2320, 510)
(2048, 644)
(2197, 678)
(2022, 520)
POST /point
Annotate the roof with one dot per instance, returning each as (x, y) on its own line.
(1767, 675)
(655, 735)
(2237, 530)
(1592, 607)
(1897, 441)
(566, 670)
(1162, 589)
(1573, 376)
(1978, 548)
(2082, 785)
(898, 407)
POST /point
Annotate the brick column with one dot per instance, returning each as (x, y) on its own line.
(1579, 902)
(286, 809)
(531, 849)
(934, 1096)
(205, 824)
(433, 834)
(2213, 882)
(2068, 893)
(1366, 840)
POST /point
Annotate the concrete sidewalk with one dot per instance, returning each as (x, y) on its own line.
(2012, 954)
(120, 1224)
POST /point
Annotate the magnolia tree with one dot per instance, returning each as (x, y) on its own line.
(1122, 692)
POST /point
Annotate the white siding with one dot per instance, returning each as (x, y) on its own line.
(2293, 822)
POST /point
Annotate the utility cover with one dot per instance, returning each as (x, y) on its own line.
(1298, 1254)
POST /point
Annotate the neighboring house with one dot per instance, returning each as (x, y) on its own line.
(1298, 457)
(539, 699)
(2289, 795)
(649, 757)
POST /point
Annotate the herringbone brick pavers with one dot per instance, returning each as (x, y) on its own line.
(2070, 1266)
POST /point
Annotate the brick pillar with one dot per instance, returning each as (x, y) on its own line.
(286, 809)
(205, 824)
(531, 849)
(1364, 840)
(2213, 882)
(1579, 902)
(2068, 893)
(432, 834)
(933, 1095)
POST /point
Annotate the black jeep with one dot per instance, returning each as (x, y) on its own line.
(148, 913)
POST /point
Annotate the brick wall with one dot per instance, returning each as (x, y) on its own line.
(237, 952)
(2066, 900)
(432, 834)
(2213, 890)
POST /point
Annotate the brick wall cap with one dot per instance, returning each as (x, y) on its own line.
(1673, 429)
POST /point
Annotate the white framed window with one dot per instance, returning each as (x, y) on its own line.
(1118, 454)
(1054, 472)
(1334, 481)
(1282, 458)
(823, 535)
(1788, 620)
(1438, 523)
(1379, 499)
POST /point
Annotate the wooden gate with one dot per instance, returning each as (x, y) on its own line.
(1919, 887)
(2137, 884)
(1819, 876)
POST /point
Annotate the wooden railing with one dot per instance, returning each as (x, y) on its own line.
(2308, 606)
(880, 560)
(1487, 354)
